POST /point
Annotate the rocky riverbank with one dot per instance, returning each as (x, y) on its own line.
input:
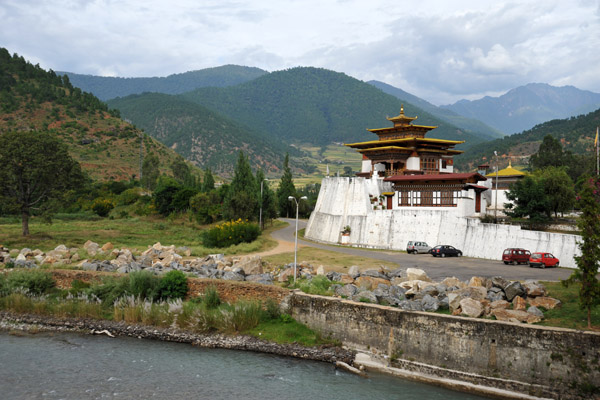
(37, 323)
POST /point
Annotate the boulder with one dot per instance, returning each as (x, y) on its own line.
(345, 279)
(287, 274)
(534, 288)
(397, 273)
(184, 251)
(369, 283)
(417, 274)
(514, 289)
(92, 248)
(252, 265)
(515, 316)
(320, 270)
(108, 246)
(500, 282)
(548, 303)
(411, 305)
(346, 291)
(374, 273)
(453, 282)
(519, 303)
(535, 311)
(265, 279)
(89, 266)
(499, 305)
(233, 276)
(473, 292)
(354, 271)
(365, 296)
(471, 308)
(476, 282)
(430, 303)
(454, 299)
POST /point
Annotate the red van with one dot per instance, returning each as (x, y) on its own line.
(543, 260)
(516, 256)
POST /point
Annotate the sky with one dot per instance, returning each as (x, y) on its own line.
(439, 50)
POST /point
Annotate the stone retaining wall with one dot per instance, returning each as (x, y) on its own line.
(550, 362)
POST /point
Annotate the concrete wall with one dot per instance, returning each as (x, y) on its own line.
(345, 201)
(552, 357)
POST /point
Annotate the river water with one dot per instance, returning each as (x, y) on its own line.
(74, 366)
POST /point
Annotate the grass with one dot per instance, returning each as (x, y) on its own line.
(133, 233)
(569, 315)
(333, 261)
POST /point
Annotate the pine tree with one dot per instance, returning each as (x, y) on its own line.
(242, 197)
(150, 171)
(587, 262)
(208, 183)
(285, 190)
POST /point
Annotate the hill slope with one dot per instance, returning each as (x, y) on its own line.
(468, 124)
(200, 135)
(105, 146)
(110, 87)
(576, 135)
(311, 105)
(524, 107)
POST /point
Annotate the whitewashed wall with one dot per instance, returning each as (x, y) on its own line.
(345, 201)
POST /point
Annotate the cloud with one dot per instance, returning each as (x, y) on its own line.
(439, 50)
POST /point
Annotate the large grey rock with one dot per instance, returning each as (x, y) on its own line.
(89, 266)
(430, 303)
(374, 273)
(265, 279)
(500, 282)
(334, 276)
(354, 271)
(411, 305)
(415, 274)
(397, 273)
(365, 296)
(252, 265)
(534, 288)
(347, 291)
(535, 311)
(232, 276)
(514, 289)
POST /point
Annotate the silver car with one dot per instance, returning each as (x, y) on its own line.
(417, 247)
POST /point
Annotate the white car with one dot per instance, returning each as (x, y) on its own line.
(417, 247)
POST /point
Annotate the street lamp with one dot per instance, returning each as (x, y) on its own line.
(296, 242)
(496, 194)
(261, 203)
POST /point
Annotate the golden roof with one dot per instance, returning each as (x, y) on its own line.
(378, 143)
(401, 118)
(508, 171)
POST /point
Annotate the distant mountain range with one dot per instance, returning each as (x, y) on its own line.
(106, 88)
(526, 106)
(201, 135)
(468, 124)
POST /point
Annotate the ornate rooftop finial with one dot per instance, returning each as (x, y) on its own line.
(510, 163)
(401, 109)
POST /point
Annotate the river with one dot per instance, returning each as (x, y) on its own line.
(76, 366)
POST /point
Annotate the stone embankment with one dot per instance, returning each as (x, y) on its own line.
(408, 289)
(35, 323)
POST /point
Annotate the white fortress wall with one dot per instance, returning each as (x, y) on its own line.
(345, 201)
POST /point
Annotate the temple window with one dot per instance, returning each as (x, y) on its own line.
(429, 164)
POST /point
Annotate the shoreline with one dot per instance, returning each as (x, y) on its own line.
(37, 323)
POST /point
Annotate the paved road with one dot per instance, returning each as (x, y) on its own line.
(461, 267)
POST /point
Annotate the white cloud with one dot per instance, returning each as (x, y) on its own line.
(436, 49)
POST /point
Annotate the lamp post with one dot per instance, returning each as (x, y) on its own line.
(261, 203)
(496, 192)
(296, 242)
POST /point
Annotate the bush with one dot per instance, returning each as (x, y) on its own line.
(211, 298)
(35, 281)
(143, 285)
(173, 285)
(110, 289)
(102, 207)
(230, 233)
(130, 196)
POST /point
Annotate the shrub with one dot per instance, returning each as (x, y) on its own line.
(230, 233)
(173, 285)
(143, 285)
(110, 289)
(102, 207)
(272, 310)
(130, 196)
(317, 285)
(35, 281)
(211, 298)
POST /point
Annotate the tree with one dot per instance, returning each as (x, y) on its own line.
(206, 207)
(529, 200)
(181, 171)
(150, 171)
(35, 174)
(285, 190)
(549, 154)
(242, 198)
(558, 188)
(208, 182)
(164, 195)
(588, 261)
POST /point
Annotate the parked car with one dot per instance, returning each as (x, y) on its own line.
(417, 247)
(443, 250)
(543, 260)
(518, 256)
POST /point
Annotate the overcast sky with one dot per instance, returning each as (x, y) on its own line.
(439, 50)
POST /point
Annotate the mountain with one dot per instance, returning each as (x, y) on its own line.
(106, 88)
(576, 135)
(524, 107)
(318, 106)
(107, 147)
(468, 124)
(201, 135)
